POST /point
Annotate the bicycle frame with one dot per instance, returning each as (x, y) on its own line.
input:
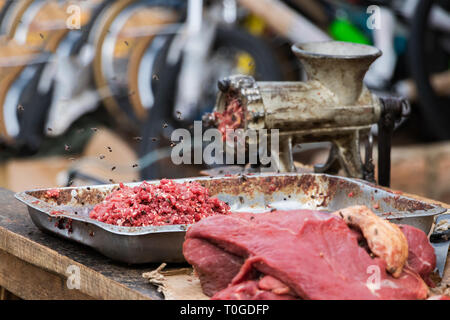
(192, 46)
(193, 43)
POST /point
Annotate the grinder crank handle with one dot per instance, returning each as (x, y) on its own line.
(393, 110)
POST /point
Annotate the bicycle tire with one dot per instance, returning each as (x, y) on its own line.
(434, 109)
(266, 68)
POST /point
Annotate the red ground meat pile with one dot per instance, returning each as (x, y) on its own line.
(231, 118)
(53, 193)
(166, 203)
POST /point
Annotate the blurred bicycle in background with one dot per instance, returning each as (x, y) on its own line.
(154, 65)
(187, 81)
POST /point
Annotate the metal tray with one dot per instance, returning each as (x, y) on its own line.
(256, 193)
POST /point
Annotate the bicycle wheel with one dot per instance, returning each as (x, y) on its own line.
(428, 56)
(228, 42)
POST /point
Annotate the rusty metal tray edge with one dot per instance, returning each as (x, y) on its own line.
(127, 244)
(27, 199)
(131, 231)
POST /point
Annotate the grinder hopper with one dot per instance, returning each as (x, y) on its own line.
(339, 66)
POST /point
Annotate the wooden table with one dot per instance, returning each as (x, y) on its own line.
(33, 265)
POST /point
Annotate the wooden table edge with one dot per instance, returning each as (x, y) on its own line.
(92, 283)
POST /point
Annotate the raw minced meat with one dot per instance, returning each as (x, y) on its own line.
(53, 193)
(231, 118)
(166, 203)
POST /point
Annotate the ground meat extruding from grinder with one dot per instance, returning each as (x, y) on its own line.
(231, 118)
(166, 203)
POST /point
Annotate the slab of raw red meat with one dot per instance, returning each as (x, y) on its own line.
(251, 290)
(315, 254)
(215, 267)
(421, 256)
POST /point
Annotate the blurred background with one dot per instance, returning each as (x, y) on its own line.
(90, 91)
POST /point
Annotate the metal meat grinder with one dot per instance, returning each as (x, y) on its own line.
(333, 105)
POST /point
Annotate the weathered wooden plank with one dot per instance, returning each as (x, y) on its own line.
(30, 282)
(6, 295)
